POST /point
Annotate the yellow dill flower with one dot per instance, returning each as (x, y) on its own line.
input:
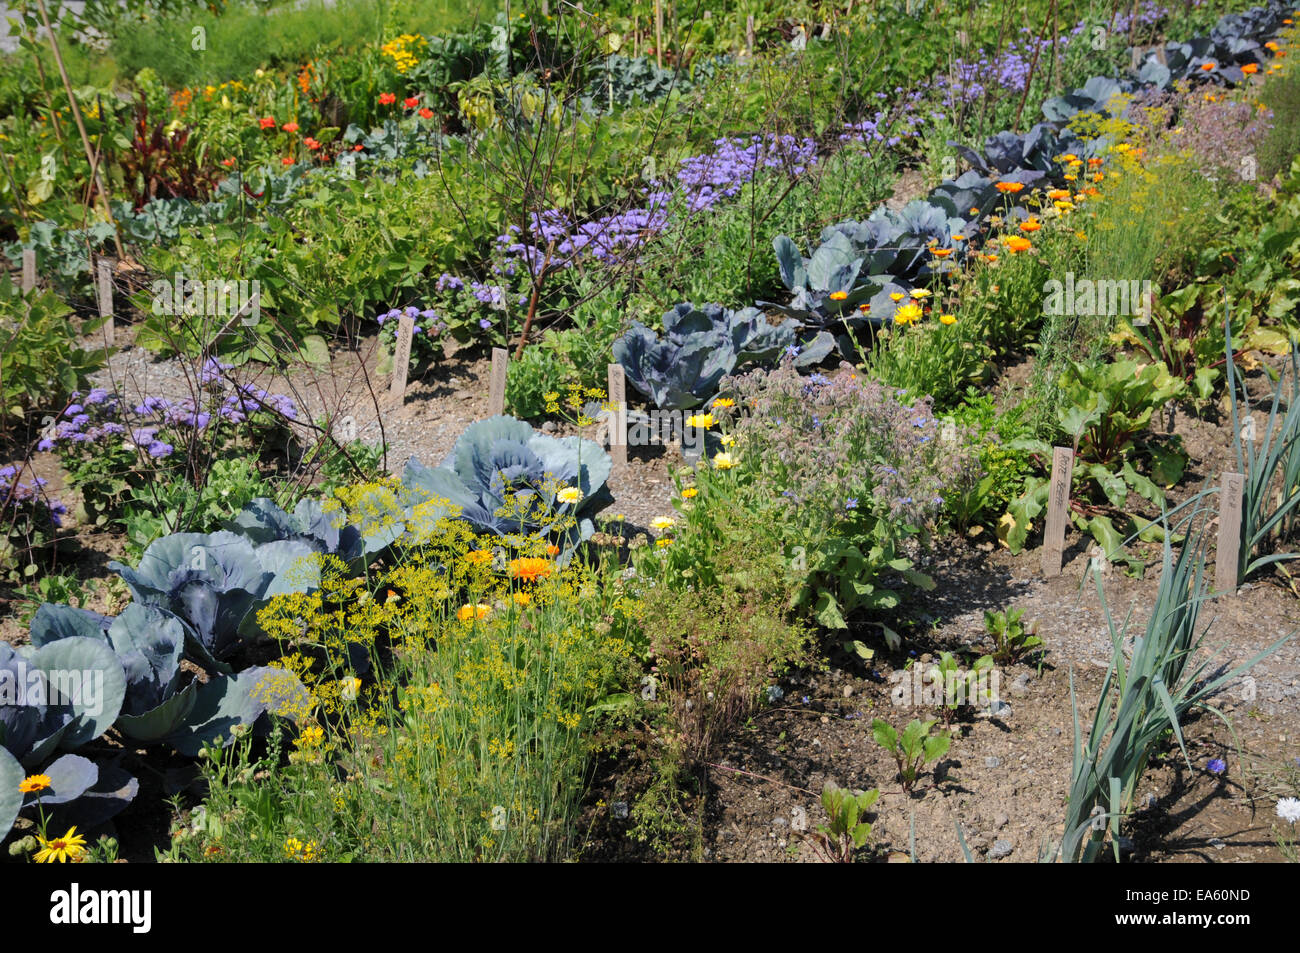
(478, 557)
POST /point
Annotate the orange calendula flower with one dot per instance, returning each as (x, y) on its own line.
(1058, 194)
(1208, 67)
(1250, 69)
(1009, 188)
(1271, 46)
(1031, 225)
(864, 308)
(959, 238)
(552, 550)
(530, 568)
(991, 258)
(941, 252)
(1015, 244)
(1094, 163)
(839, 295)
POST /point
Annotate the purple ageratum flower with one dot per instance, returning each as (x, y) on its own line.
(45, 446)
(158, 449)
(1216, 766)
(484, 323)
(97, 396)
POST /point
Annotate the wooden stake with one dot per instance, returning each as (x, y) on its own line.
(104, 287)
(1058, 503)
(29, 270)
(1229, 551)
(618, 417)
(749, 34)
(659, 33)
(402, 356)
(497, 385)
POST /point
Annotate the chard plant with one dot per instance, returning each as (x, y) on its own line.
(913, 748)
(1011, 640)
(847, 831)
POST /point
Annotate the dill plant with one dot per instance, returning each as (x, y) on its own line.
(455, 692)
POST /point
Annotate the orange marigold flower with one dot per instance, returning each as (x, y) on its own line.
(531, 568)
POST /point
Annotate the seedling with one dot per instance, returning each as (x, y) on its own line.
(1011, 640)
(959, 688)
(847, 832)
(912, 750)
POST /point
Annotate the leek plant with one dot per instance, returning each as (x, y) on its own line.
(1146, 695)
(1271, 466)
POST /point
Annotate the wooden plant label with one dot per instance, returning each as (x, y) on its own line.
(618, 416)
(497, 385)
(29, 269)
(104, 292)
(402, 355)
(1058, 502)
(1229, 550)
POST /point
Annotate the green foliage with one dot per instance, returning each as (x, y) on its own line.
(41, 357)
(173, 504)
(913, 749)
(1011, 640)
(1281, 146)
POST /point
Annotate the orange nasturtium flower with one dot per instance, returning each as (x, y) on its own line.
(425, 113)
(287, 161)
(290, 127)
(228, 162)
(311, 143)
(411, 102)
(266, 122)
(387, 99)
(1009, 188)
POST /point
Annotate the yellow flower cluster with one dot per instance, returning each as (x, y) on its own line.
(403, 51)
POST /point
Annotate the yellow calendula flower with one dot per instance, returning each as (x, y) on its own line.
(661, 543)
(909, 313)
(920, 294)
(467, 612)
(662, 522)
(689, 493)
(724, 461)
(700, 420)
(947, 319)
(70, 847)
(727, 440)
(349, 688)
(34, 783)
(570, 494)
(311, 736)
(724, 402)
(522, 598)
